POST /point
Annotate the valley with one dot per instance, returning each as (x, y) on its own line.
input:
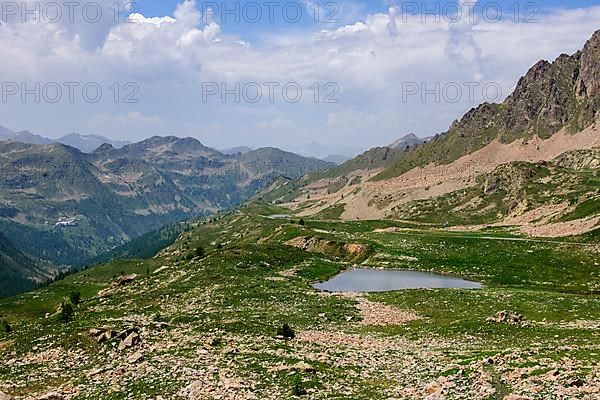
(54, 199)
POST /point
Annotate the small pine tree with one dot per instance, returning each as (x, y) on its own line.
(66, 312)
(286, 331)
(301, 222)
(75, 297)
(199, 252)
(5, 326)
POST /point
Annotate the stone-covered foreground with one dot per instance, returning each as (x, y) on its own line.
(191, 324)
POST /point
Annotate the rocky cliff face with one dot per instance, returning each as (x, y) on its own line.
(579, 159)
(554, 95)
(588, 82)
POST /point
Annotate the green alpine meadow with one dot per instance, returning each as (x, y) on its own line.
(230, 224)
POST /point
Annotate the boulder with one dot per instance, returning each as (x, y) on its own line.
(302, 366)
(129, 341)
(102, 334)
(135, 357)
(125, 279)
(51, 396)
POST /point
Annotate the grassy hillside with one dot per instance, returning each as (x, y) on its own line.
(208, 320)
(286, 190)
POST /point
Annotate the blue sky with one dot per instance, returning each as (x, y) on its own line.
(165, 7)
(350, 11)
(386, 74)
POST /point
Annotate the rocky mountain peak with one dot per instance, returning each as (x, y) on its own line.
(589, 72)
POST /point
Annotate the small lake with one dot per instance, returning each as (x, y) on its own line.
(376, 280)
(278, 216)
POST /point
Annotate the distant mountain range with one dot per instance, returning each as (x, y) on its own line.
(89, 143)
(85, 143)
(61, 205)
(337, 159)
(322, 151)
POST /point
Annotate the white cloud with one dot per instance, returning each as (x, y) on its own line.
(371, 57)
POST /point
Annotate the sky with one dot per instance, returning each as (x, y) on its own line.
(308, 76)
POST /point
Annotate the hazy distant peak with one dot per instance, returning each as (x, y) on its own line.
(236, 150)
(89, 143)
(409, 140)
(28, 137)
(337, 159)
(5, 133)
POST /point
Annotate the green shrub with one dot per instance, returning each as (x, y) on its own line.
(75, 297)
(301, 222)
(199, 252)
(286, 331)
(5, 326)
(66, 312)
(297, 386)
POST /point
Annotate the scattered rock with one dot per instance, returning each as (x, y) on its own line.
(135, 357)
(4, 396)
(433, 387)
(577, 383)
(302, 366)
(93, 372)
(120, 281)
(160, 269)
(379, 314)
(506, 317)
